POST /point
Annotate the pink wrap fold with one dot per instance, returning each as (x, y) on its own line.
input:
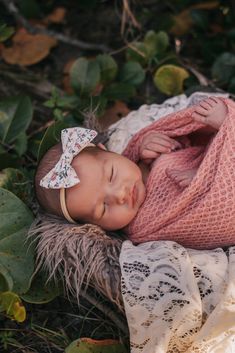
(201, 216)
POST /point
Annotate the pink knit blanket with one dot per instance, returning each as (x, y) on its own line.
(202, 215)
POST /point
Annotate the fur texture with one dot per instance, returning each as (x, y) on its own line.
(80, 255)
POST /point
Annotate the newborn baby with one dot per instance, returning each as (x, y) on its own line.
(109, 189)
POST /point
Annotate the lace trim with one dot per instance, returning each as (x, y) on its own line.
(178, 300)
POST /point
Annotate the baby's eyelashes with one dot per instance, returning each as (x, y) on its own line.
(111, 176)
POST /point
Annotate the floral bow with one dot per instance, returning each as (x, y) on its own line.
(74, 140)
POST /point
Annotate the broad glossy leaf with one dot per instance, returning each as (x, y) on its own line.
(12, 305)
(223, 68)
(41, 292)
(84, 75)
(5, 32)
(132, 73)
(156, 42)
(6, 281)
(108, 67)
(169, 79)
(21, 143)
(51, 137)
(17, 182)
(137, 51)
(15, 116)
(88, 345)
(15, 254)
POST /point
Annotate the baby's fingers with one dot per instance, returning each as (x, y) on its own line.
(166, 142)
(199, 118)
(201, 110)
(149, 154)
(157, 147)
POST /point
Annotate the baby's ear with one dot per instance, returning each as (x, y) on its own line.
(100, 145)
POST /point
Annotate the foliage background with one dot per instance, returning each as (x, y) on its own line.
(62, 63)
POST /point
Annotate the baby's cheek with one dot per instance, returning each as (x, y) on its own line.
(121, 217)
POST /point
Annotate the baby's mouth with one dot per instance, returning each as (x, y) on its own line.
(134, 195)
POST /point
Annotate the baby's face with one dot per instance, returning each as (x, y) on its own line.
(110, 191)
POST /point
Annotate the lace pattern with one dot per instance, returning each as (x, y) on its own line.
(177, 299)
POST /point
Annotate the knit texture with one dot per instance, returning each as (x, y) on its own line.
(202, 215)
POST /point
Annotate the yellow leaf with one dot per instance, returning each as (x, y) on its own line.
(169, 79)
(19, 312)
(12, 305)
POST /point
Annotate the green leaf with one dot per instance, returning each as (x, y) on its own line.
(41, 292)
(62, 101)
(87, 345)
(137, 51)
(84, 75)
(119, 91)
(15, 116)
(21, 143)
(6, 281)
(58, 115)
(16, 257)
(12, 305)
(169, 79)
(6, 32)
(156, 43)
(68, 102)
(51, 137)
(108, 67)
(132, 73)
(16, 181)
(224, 68)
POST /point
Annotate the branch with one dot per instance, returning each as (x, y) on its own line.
(13, 10)
(39, 88)
(127, 16)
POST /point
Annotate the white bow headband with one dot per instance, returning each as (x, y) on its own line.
(63, 176)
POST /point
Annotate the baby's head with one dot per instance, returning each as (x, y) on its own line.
(109, 193)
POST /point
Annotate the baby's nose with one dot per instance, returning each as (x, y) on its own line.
(121, 195)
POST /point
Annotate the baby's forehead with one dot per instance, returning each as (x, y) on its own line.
(89, 157)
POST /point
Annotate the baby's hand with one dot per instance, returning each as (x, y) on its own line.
(154, 144)
(211, 111)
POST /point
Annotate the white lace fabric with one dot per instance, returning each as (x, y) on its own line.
(178, 300)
